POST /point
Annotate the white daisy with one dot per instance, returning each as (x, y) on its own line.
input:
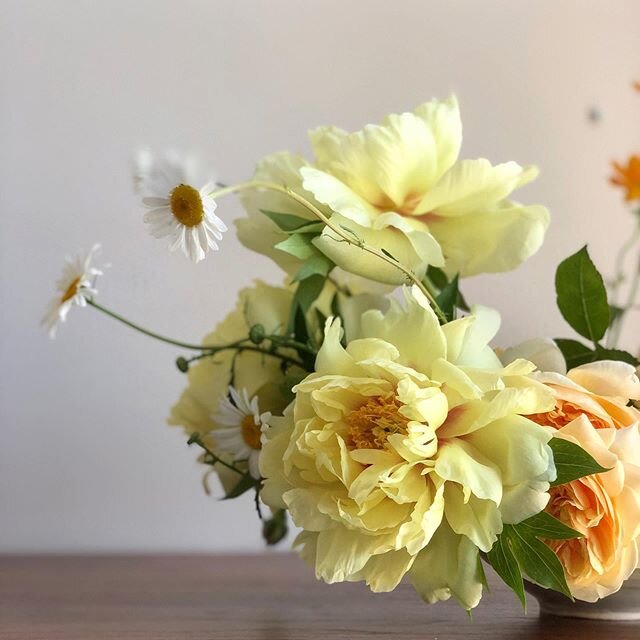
(241, 426)
(75, 286)
(176, 209)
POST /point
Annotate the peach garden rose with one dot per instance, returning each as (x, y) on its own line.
(591, 410)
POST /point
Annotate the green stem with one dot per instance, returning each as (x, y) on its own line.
(346, 237)
(151, 334)
(293, 344)
(196, 439)
(615, 330)
(209, 350)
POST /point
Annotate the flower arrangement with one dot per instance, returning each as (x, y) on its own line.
(362, 398)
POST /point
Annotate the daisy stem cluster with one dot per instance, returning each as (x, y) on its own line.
(342, 233)
(210, 350)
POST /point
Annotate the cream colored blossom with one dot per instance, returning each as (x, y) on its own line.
(591, 410)
(400, 186)
(405, 452)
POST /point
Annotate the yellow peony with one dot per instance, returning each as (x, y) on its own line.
(406, 452)
(399, 186)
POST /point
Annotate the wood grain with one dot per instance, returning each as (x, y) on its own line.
(263, 597)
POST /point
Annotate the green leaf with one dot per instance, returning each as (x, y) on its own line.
(575, 353)
(245, 483)
(504, 563)
(288, 222)
(536, 559)
(581, 296)
(447, 299)
(544, 525)
(437, 276)
(317, 264)
(308, 291)
(275, 528)
(389, 255)
(572, 461)
(616, 354)
(298, 245)
(439, 279)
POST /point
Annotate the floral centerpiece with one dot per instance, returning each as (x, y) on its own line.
(362, 398)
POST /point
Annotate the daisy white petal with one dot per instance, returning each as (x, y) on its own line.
(240, 428)
(74, 287)
(166, 187)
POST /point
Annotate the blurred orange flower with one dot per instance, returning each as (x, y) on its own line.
(628, 177)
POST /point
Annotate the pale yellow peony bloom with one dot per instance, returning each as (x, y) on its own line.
(591, 410)
(405, 452)
(399, 186)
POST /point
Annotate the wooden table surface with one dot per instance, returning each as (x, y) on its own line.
(266, 597)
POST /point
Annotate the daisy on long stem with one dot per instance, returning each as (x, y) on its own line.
(175, 208)
(76, 285)
(241, 425)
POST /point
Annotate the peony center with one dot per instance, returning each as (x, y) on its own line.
(372, 423)
(251, 432)
(71, 291)
(186, 205)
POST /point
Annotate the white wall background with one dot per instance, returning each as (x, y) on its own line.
(86, 460)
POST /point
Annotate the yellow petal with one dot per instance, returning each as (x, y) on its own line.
(447, 567)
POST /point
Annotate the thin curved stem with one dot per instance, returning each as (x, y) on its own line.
(212, 351)
(152, 334)
(344, 235)
(208, 350)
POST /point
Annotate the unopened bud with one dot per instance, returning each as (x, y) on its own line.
(275, 529)
(182, 364)
(256, 334)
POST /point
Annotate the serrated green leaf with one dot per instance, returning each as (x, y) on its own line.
(504, 563)
(536, 559)
(544, 525)
(581, 296)
(287, 221)
(572, 461)
(317, 264)
(575, 353)
(298, 245)
(245, 483)
(447, 299)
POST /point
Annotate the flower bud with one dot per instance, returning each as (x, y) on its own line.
(256, 334)
(275, 529)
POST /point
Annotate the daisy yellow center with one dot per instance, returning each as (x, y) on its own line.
(251, 432)
(377, 419)
(71, 291)
(186, 205)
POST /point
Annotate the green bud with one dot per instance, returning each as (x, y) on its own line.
(182, 364)
(256, 334)
(275, 529)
